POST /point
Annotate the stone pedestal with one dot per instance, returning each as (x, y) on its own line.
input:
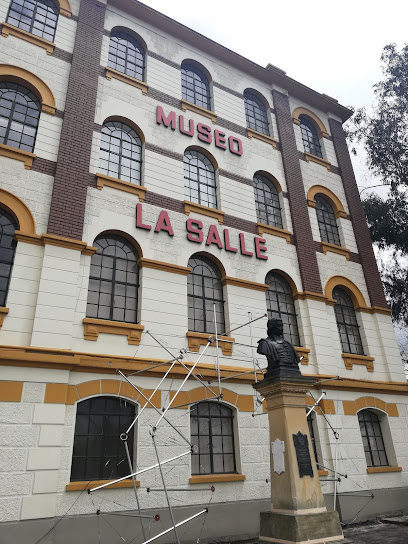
(298, 513)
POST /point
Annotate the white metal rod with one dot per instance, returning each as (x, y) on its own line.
(150, 398)
(151, 367)
(335, 476)
(244, 325)
(154, 407)
(182, 385)
(134, 486)
(316, 404)
(198, 379)
(160, 344)
(216, 346)
(165, 489)
(139, 471)
(150, 489)
(177, 525)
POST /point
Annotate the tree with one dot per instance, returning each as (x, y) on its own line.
(383, 133)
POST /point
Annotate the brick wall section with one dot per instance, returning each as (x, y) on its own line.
(363, 240)
(44, 166)
(72, 173)
(302, 230)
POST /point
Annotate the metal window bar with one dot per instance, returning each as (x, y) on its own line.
(38, 17)
(256, 115)
(199, 179)
(373, 441)
(267, 204)
(347, 323)
(120, 154)
(126, 54)
(195, 86)
(310, 137)
(280, 304)
(8, 243)
(329, 230)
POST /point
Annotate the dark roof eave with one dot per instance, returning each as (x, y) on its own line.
(267, 75)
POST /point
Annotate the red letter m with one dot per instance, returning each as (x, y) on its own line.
(170, 120)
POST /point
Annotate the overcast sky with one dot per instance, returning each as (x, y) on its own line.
(333, 47)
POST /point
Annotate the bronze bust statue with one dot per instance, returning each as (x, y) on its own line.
(282, 357)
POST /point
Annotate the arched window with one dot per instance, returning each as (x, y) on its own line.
(19, 115)
(204, 289)
(39, 17)
(126, 54)
(347, 323)
(8, 225)
(280, 304)
(255, 112)
(99, 453)
(311, 423)
(329, 231)
(113, 280)
(199, 179)
(212, 432)
(121, 152)
(310, 137)
(373, 441)
(195, 86)
(268, 209)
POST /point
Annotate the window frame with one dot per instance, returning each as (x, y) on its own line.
(205, 177)
(203, 79)
(310, 136)
(211, 453)
(138, 45)
(33, 19)
(132, 438)
(264, 181)
(13, 246)
(326, 220)
(251, 100)
(288, 335)
(369, 451)
(338, 309)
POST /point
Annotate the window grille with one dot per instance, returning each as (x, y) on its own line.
(204, 289)
(99, 453)
(329, 231)
(126, 55)
(113, 280)
(8, 243)
(255, 111)
(38, 17)
(199, 179)
(268, 209)
(121, 152)
(310, 137)
(213, 434)
(347, 323)
(373, 441)
(195, 86)
(19, 115)
(280, 304)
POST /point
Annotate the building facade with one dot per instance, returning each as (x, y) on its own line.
(157, 188)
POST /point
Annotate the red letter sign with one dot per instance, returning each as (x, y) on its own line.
(161, 118)
(228, 247)
(191, 223)
(163, 223)
(259, 249)
(233, 140)
(242, 244)
(220, 139)
(139, 218)
(213, 237)
(204, 133)
(189, 132)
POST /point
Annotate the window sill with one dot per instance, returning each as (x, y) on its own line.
(262, 137)
(10, 30)
(318, 160)
(115, 74)
(274, 231)
(17, 154)
(350, 359)
(186, 105)
(246, 284)
(80, 486)
(92, 328)
(374, 470)
(3, 313)
(332, 248)
(214, 478)
(203, 210)
(197, 339)
(323, 472)
(107, 181)
(303, 352)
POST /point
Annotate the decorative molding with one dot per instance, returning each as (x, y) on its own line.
(322, 472)
(352, 289)
(65, 8)
(112, 73)
(274, 231)
(379, 310)
(244, 403)
(165, 267)
(337, 206)
(246, 284)
(375, 470)
(203, 210)
(31, 81)
(50, 239)
(197, 339)
(351, 407)
(216, 478)
(10, 391)
(318, 160)
(262, 137)
(185, 105)
(321, 129)
(17, 154)
(19, 210)
(93, 327)
(11, 30)
(303, 352)
(107, 181)
(333, 248)
(351, 359)
(80, 486)
(3, 312)
(303, 295)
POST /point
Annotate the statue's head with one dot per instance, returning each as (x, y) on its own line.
(275, 327)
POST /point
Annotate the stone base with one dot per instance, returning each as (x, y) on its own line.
(300, 529)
